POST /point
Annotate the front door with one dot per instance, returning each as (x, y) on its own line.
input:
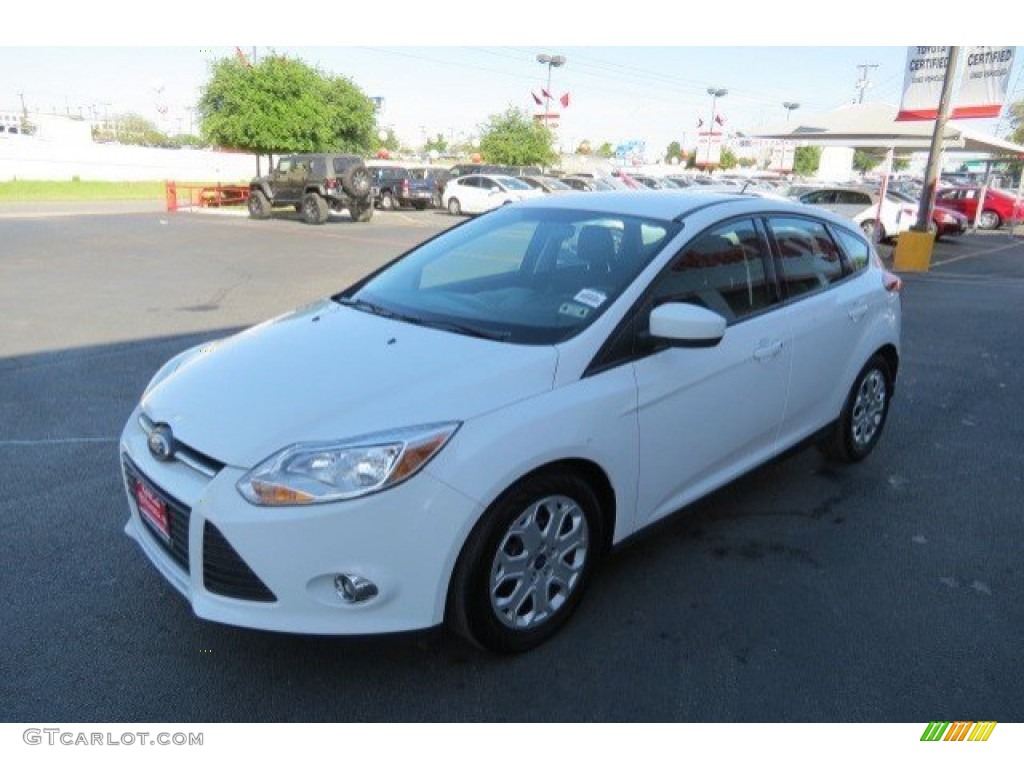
(708, 414)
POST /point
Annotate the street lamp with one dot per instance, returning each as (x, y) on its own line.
(789, 107)
(715, 94)
(550, 61)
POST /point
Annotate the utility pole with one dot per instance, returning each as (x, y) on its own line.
(864, 83)
(24, 109)
(931, 174)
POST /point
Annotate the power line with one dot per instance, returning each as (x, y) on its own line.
(863, 84)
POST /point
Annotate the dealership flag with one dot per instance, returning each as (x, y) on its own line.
(545, 93)
(536, 98)
(983, 84)
(564, 100)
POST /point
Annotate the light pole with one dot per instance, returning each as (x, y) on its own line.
(789, 107)
(715, 94)
(550, 61)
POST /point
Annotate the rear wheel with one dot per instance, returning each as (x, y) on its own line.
(454, 208)
(989, 220)
(387, 202)
(314, 208)
(860, 425)
(527, 564)
(259, 206)
(362, 211)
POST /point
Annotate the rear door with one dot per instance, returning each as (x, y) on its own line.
(825, 307)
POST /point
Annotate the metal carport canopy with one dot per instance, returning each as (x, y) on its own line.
(875, 126)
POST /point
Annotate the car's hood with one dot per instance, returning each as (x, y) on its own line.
(327, 372)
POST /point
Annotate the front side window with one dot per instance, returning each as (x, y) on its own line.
(531, 276)
(810, 260)
(721, 270)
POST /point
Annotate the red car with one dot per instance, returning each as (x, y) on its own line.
(1000, 206)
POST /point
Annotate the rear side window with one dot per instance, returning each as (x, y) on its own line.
(847, 197)
(809, 259)
(721, 270)
(857, 249)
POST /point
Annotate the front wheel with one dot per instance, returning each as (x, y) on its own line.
(527, 564)
(259, 206)
(387, 202)
(873, 230)
(860, 424)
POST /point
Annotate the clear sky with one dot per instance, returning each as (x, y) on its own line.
(617, 93)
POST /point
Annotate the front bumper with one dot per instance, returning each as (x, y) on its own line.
(404, 539)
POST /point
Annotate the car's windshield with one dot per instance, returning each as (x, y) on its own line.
(525, 275)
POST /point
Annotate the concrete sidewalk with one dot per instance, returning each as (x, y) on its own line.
(35, 209)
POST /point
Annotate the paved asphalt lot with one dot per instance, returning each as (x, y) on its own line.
(890, 591)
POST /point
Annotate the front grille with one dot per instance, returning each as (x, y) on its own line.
(226, 573)
(177, 516)
(206, 465)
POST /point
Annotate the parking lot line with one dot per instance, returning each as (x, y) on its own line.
(975, 254)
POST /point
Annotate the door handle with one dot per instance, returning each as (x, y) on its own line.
(768, 351)
(858, 312)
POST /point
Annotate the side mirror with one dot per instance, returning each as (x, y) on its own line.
(686, 325)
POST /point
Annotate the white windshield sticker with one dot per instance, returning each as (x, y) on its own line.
(590, 297)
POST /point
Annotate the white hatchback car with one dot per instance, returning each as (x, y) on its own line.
(479, 193)
(861, 206)
(462, 435)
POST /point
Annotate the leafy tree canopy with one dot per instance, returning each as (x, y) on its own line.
(606, 149)
(514, 138)
(674, 149)
(283, 105)
(806, 160)
(865, 161)
(438, 144)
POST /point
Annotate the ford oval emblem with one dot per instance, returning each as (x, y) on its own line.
(161, 443)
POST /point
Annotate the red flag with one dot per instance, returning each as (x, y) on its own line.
(564, 101)
(719, 119)
(544, 92)
(536, 98)
(241, 56)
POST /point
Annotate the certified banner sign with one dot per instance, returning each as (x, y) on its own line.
(983, 84)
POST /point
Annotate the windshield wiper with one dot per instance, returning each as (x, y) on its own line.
(442, 325)
(465, 330)
(366, 306)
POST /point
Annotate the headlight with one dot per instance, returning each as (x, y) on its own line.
(314, 473)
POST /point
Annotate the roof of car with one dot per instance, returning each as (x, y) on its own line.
(669, 203)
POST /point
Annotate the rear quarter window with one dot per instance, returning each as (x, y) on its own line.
(857, 249)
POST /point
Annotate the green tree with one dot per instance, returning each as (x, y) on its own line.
(283, 105)
(727, 159)
(438, 144)
(584, 148)
(1016, 122)
(674, 149)
(806, 160)
(132, 128)
(865, 161)
(900, 163)
(606, 149)
(514, 138)
(389, 143)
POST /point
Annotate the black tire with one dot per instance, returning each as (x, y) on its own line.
(990, 220)
(259, 206)
(551, 522)
(454, 206)
(361, 211)
(869, 227)
(860, 425)
(387, 202)
(419, 205)
(355, 180)
(314, 208)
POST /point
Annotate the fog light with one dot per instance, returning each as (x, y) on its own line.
(353, 588)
